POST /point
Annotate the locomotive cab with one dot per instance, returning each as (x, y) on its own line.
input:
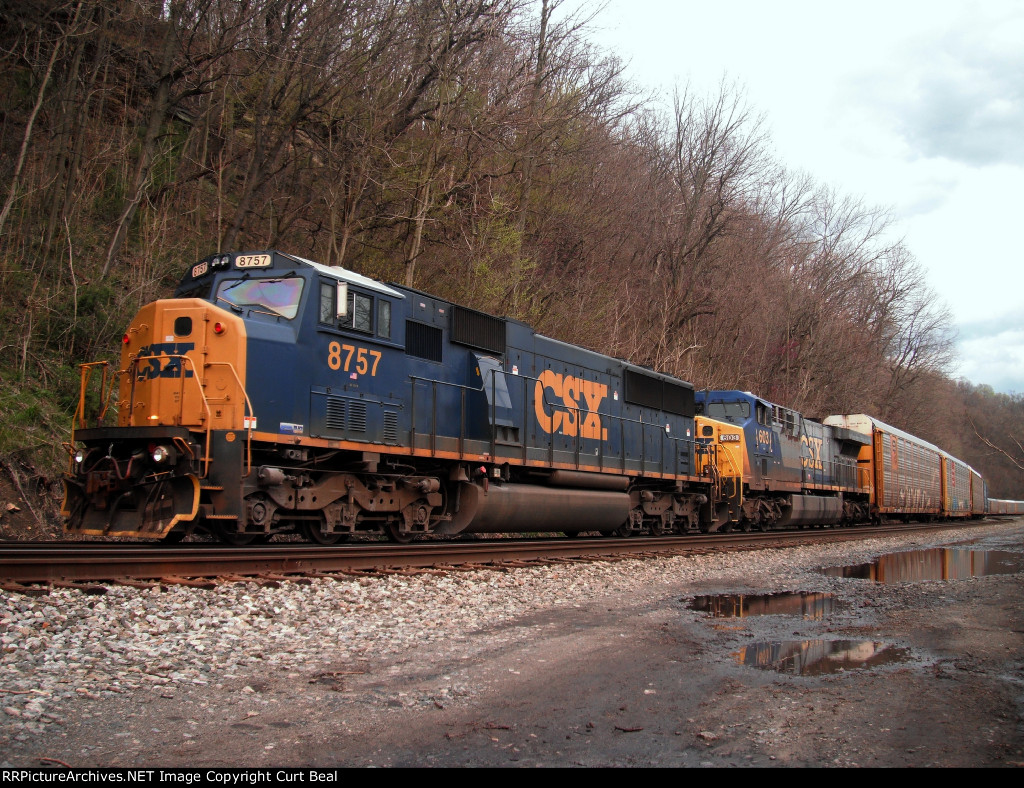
(181, 452)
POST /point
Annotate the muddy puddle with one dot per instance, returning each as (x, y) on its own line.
(941, 563)
(820, 657)
(805, 605)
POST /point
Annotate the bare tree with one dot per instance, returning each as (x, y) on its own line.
(704, 168)
(64, 32)
(187, 44)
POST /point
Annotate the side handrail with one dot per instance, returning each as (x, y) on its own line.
(106, 390)
(246, 420)
(620, 420)
(433, 414)
(79, 421)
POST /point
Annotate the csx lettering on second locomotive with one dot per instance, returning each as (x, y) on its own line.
(814, 447)
(566, 415)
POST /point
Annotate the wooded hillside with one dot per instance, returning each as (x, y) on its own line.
(482, 150)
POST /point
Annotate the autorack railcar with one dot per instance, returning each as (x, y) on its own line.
(1002, 507)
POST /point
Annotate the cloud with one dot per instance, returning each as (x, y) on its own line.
(973, 114)
(926, 194)
(1009, 323)
(958, 95)
(992, 352)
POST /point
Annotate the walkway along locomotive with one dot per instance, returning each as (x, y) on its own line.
(273, 394)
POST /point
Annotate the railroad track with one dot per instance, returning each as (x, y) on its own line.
(34, 566)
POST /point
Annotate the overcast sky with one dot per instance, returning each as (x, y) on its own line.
(917, 107)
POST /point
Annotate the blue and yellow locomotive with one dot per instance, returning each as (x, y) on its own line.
(273, 394)
(797, 471)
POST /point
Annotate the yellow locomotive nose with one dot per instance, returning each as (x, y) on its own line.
(183, 363)
(183, 366)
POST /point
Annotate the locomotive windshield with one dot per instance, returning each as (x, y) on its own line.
(735, 412)
(278, 297)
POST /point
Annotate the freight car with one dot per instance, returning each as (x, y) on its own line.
(910, 478)
(1000, 507)
(275, 395)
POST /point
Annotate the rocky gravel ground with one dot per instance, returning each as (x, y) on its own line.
(591, 664)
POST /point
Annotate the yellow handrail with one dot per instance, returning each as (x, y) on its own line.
(105, 392)
(248, 408)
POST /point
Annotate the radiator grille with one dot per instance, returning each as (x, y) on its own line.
(478, 330)
(357, 417)
(651, 392)
(335, 413)
(422, 341)
(390, 427)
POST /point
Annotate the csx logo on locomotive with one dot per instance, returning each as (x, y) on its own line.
(813, 460)
(151, 366)
(565, 415)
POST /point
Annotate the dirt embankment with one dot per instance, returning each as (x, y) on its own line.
(29, 503)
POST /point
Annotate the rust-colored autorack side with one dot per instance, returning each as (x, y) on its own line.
(906, 470)
(908, 473)
(956, 487)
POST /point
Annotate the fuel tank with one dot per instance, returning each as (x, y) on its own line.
(517, 508)
(812, 509)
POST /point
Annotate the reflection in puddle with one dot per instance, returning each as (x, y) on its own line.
(819, 657)
(803, 604)
(941, 563)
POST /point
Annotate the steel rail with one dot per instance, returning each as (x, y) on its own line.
(49, 562)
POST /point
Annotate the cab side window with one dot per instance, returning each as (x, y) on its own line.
(359, 314)
(359, 310)
(327, 310)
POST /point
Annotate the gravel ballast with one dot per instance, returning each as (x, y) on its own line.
(326, 672)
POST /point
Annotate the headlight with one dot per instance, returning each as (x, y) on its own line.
(80, 456)
(161, 454)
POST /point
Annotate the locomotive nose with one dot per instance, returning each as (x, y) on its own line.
(183, 364)
(181, 380)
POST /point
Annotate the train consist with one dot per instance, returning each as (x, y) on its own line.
(276, 395)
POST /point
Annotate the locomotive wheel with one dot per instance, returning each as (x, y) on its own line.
(311, 530)
(395, 535)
